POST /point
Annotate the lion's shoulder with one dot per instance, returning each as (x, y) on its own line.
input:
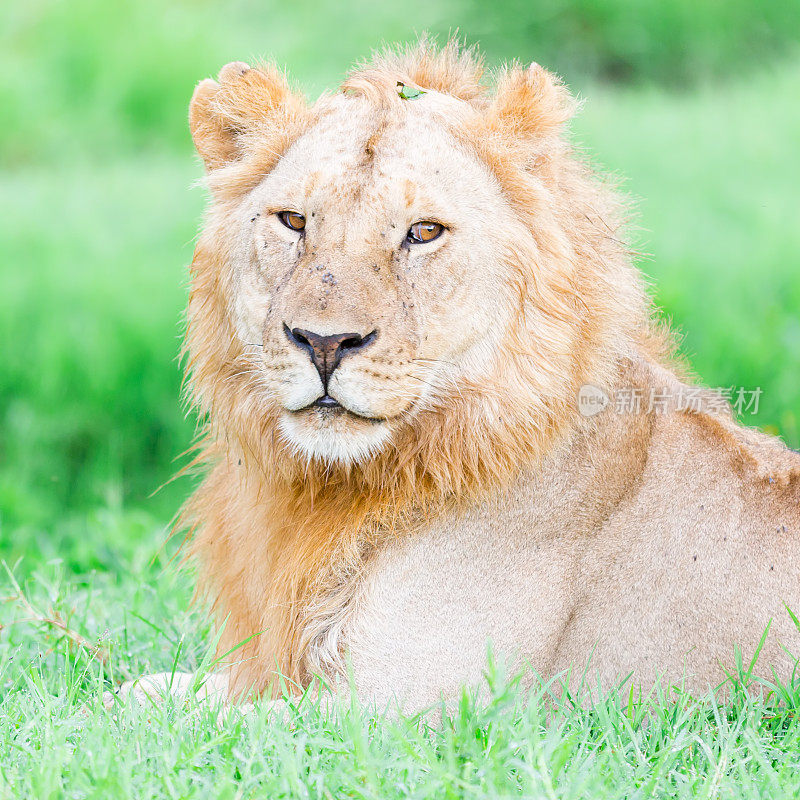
(756, 455)
(697, 414)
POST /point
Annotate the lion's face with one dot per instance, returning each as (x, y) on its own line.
(411, 286)
(355, 315)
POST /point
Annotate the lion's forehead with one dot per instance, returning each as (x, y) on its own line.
(381, 158)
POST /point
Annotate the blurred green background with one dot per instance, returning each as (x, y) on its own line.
(695, 104)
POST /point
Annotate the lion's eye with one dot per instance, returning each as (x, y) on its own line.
(421, 232)
(293, 220)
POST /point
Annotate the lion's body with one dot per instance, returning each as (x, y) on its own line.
(648, 545)
(648, 548)
(457, 497)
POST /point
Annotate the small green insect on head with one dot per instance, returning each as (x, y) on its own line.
(409, 92)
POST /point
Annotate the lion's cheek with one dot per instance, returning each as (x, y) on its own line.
(251, 302)
(295, 388)
(373, 394)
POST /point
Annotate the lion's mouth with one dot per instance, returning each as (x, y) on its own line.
(330, 407)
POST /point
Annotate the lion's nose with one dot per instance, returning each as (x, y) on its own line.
(327, 351)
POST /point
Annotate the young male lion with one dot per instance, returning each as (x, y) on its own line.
(440, 413)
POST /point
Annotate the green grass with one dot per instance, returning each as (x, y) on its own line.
(97, 228)
(57, 740)
(89, 394)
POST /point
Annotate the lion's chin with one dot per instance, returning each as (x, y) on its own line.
(333, 436)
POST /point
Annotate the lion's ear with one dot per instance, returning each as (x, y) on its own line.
(530, 103)
(223, 112)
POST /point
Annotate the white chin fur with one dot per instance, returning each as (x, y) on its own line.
(333, 444)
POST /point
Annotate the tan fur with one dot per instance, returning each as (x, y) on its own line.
(483, 345)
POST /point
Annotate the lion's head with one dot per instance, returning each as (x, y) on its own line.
(410, 276)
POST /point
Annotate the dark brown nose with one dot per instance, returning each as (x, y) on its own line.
(327, 351)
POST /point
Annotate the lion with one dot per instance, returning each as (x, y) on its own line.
(442, 414)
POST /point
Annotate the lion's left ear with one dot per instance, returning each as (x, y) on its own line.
(223, 112)
(530, 103)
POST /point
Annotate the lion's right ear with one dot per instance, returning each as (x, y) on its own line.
(244, 99)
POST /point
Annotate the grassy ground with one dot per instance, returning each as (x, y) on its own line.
(57, 740)
(93, 266)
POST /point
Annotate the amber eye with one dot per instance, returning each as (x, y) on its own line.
(421, 232)
(293, 220)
